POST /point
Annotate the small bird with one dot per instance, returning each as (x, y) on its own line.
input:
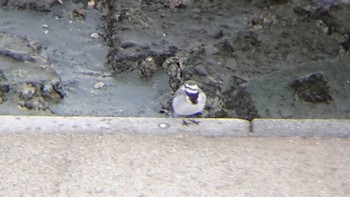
(189, 99)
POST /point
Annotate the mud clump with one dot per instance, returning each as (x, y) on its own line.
(237, 99)
(26, 73)
(312, 88)
(34, 95)
(17, 47)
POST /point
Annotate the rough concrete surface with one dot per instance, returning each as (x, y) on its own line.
(305, 127)
(119, 164)
(157, 126)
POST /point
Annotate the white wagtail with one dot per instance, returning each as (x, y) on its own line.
(189, 99)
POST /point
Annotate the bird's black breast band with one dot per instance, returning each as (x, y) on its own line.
(193, 97)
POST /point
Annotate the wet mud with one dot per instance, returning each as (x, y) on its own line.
(269, 59)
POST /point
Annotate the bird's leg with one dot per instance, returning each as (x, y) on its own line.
(184, 122)
(195, 121)
(191, 121)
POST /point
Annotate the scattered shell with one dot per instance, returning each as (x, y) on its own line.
(164, 125)
(95, 35)
(45, 26)
(99, 85)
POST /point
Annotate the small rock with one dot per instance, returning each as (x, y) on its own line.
(99, 85)
(36, 103)
(52, 90)
(148, 67)
(95, 35)
(201, 70)
(128, 43)
(218, 34)
(78, 13)
(26, 91)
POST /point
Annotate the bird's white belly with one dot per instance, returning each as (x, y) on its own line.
(186, 109)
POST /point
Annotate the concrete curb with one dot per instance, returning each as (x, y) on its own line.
(158, 126)
(171, 126)
(301, 127)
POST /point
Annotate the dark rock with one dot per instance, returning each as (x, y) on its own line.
(312, 88)
(346, 44)
(78, 13)
(302, 11)
(53, 90)
(37, 103)
(200, 70)
(4, 88)
(128, 43)
(218, 34)
(148, 67)
(174, 67)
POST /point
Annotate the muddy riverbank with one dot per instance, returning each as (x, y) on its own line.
(271, 59)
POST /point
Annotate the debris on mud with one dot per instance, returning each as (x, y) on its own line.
(26, 72)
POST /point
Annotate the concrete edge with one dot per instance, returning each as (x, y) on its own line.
(157, 126)
(175, 126)
(301, 127)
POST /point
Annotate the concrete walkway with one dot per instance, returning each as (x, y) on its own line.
(35, 161)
